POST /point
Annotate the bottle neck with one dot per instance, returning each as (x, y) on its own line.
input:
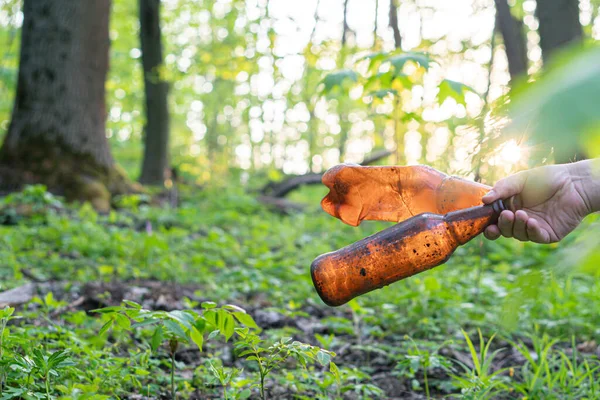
(470, 222)
(498, 206)
(489, 210)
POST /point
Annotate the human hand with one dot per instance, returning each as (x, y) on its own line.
(547, 203)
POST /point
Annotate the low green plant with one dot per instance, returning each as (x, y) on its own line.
(226, 377)
(41, 365)
(252, 348)
(424, 359)
(480, 381)
(6, 314)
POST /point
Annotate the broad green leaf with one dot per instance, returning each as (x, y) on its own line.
(122, 321)
(200, 324)
(400, 60)
(157, 338)
(235, 308)
(454, 90)
(323, 358)
(176, 329)
(146, 322)
(338, 79)
(208, 305)
(132, 304)
(106, 326)
(333, 368)
(245, 319)
(197, 337)
(228, 325)
(106, 310)
(379, 80)
(375, 59)
(182, 317)
(142, 372)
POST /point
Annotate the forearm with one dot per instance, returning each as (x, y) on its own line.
(586, 178)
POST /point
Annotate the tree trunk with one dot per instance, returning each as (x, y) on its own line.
(515, 45)
(394, 24)
(156, 145)
(559, 25)
(57, 134)
(346, 28)
(342, 103)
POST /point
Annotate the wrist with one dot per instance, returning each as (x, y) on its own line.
(586, 179)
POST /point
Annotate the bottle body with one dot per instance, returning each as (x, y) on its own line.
(415, 245)
(394, 194)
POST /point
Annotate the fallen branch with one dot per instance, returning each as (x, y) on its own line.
(375, 156)
(280, 205)
(281, 189)
(17, 296)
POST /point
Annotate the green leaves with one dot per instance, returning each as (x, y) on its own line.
(251, 347)
(221, 320)
(454, 90)
(182, 326)
(157, 338)
(380, 94)
(174, 329)
(245, 319)
(398, 62)
(340, 80)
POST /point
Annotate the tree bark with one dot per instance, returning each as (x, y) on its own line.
(559, 25)
(394, 24)
(57, 134)
(513, 36)
(341, 105)
(156, 145)
(345, 28)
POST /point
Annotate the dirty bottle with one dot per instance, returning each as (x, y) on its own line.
(393, 193)
(400, 251)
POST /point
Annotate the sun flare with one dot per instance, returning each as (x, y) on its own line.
(511, 152)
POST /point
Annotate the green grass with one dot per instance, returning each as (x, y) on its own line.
(221, 249)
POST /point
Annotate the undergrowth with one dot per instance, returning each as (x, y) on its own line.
(237, 316)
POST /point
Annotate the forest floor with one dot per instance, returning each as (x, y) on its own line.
(221, 285)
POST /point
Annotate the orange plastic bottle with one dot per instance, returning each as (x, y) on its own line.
(394, 194)
(403, 250)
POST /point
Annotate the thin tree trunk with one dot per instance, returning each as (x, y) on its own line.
(308, 96)
(513, 36)
(559, 25)
(398, 135)
(375, 23)
(394, 24)
(57, 134)
(156, 145)
(344, 124)
(346, 28)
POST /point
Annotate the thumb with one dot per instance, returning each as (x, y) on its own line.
(505, 188)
